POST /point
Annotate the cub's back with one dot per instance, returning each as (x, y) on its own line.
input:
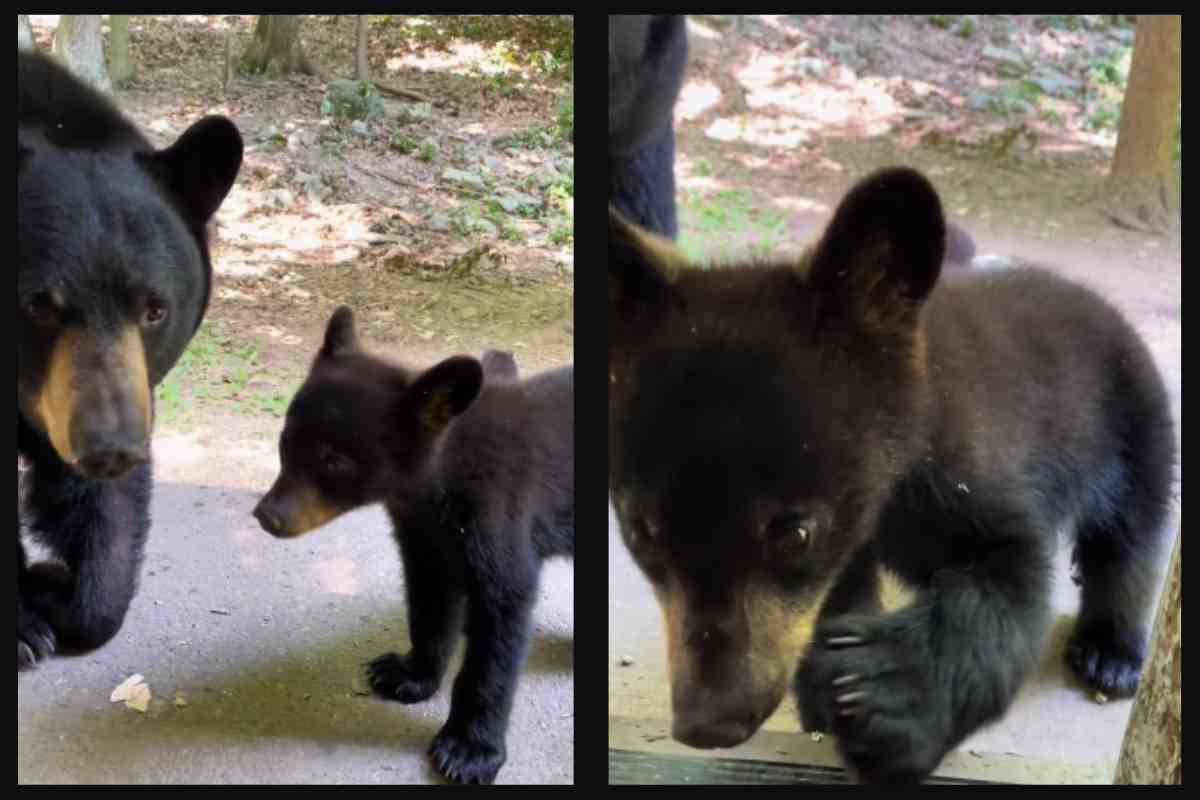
(1023, 363)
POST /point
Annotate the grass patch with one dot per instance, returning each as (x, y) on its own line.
(216, 368)
(727, 225)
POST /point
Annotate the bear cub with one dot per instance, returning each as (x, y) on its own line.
(476, 468)
(779, 432)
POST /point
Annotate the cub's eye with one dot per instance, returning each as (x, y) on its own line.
(43, 308)
(640, 532)
(155, 312)
(335, 463)
(641, 537)
(792, 531)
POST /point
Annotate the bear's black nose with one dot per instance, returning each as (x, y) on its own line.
(270, 523)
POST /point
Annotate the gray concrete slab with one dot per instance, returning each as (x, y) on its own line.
(264, 640)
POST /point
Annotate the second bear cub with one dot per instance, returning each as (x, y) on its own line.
(476, 468)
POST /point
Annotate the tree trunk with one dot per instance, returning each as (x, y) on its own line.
(1143, 187)
(120, 66)
(361, 68)
(79, 45)
(24, 33)
(276, 47)
(1152, 752)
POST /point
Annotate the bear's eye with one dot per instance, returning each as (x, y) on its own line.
(154, 313)
(42, 309)
(792, 531)
(334, 463)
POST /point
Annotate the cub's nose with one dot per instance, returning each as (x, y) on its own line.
(267, 519)
(704, 729)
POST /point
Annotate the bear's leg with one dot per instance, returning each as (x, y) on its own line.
(35, 637)
(642, 185)
(1121, 530)
(1116, 560)
(903, 688)
(99, 529)
(857, 591)
(470, 748)
(435, 612)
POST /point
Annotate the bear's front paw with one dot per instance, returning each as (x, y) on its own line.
(396, 677)
(873, 684)
(35, 638)
(466, 759)
(1105, 663)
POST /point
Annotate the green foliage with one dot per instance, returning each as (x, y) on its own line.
(213, 367)
(404, 145)
(566, 119)
(710, 224)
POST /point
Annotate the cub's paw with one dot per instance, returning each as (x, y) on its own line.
(466, 759)
(1104, 663)
(871, 683)
(35, 639)
(394, 677)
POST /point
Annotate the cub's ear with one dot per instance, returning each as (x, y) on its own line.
(340, 338)
(446, 390)
(640, 266)
(199, 169)
(882, 253)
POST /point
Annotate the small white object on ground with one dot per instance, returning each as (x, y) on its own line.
(134, 692)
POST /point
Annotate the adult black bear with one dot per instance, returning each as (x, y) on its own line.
(477, 473)
(646, 59)
(113, 278)
(777, 432)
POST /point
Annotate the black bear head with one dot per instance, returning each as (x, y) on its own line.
(757, 417)
(113, 271)
(362, 430)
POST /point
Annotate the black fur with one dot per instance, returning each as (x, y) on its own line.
(108, 230)
(476, 470)
(647, 55)
(775, 428)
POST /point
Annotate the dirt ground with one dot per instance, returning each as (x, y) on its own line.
(779, 116)
(324, 215)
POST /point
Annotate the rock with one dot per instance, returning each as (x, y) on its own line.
(463, 178)
(517, 202)
(1008, 62)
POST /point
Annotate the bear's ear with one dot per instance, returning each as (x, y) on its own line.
(640, 267)
(445, 390)
(199, 169)
(340, 337)
(880, 256)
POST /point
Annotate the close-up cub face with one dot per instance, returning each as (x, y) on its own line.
(758, 417)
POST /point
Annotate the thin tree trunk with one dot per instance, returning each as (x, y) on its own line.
(1152, 752)
(80, 46)
(361, 67)
(1143, 188)
(120, 65)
